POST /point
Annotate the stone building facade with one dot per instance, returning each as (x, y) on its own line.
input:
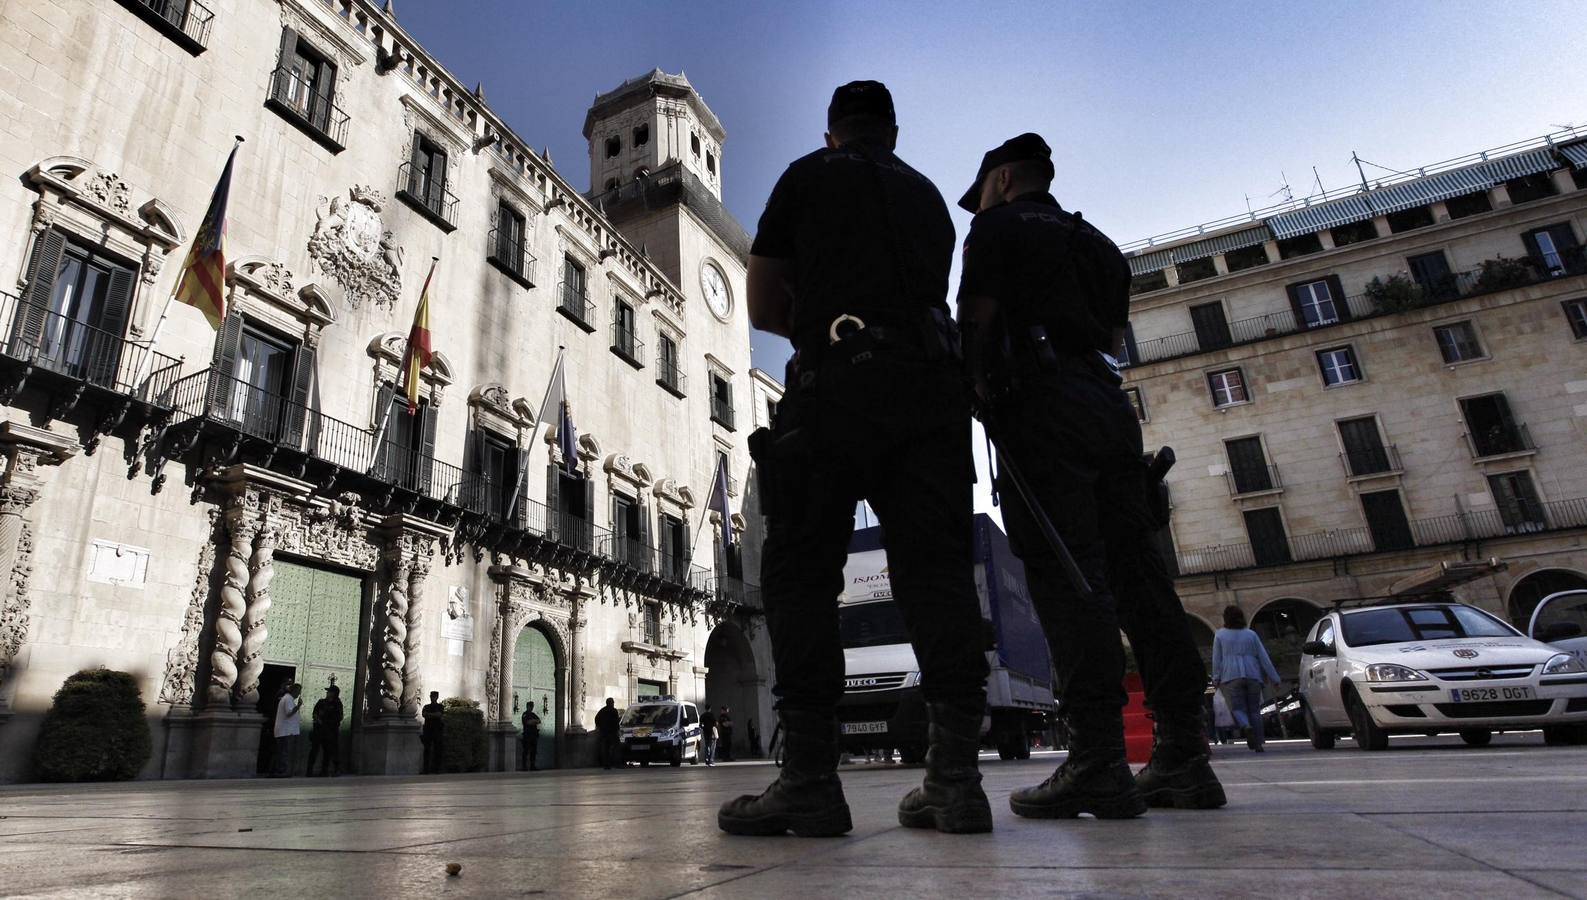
(1363, 385)
(217, 512)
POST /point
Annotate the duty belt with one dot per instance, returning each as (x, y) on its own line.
(850, 338)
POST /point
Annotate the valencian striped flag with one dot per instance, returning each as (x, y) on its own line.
(417, 356)
(718, 502)
(556, 404)
(203, 282)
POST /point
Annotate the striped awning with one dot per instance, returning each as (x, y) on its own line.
(1223, 243)
(1521, 164)
(1308, 219)
(1431, 189)
(1147, 263)
(1576, 153)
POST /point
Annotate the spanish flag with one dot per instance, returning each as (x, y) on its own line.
(417, 356)
(203, 282)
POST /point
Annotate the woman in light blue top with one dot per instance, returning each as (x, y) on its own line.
(1240, 665)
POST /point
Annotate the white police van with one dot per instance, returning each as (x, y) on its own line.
(661, 729)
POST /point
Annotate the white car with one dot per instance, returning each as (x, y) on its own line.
(661, 730)
(1431, 668)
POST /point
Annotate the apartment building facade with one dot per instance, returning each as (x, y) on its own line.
(1365, 384)
(220, 511)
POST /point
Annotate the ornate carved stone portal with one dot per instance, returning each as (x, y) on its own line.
(23, 451)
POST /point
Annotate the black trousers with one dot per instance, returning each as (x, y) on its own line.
(330, 745)
(609, 749)
(434, 754)
(1075, 437)
(895, 432)
(529, 749)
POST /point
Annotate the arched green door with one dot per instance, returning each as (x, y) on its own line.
(534, 678)
(315, 633)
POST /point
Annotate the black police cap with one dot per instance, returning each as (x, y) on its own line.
(861, 98)
(1028, 146)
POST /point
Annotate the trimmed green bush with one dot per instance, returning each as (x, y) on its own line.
(1397, 293)
(95, 730)
(466, 749)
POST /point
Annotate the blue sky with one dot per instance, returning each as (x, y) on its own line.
(1161, 115)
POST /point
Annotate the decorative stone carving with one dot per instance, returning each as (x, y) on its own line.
(493, 671)
(417, 575)
(335, 534)
(250, 659)
(352, 245)
(241, 524)
(394, 632)
(108, 190)
(181, 661)
(14, 617)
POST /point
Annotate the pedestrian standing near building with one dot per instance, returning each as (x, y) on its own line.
(1240, 666)
(724, 735)
(269, 702)
(850, 263)
(287, 729)
(708, 732)
(1044, 303)
(326, 738)
(433, 735)
(608, 734)
(754, 739)
(529, 750)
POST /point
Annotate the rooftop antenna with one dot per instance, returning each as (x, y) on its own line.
(1360, 171)
(1318, 178)
(1289, 195)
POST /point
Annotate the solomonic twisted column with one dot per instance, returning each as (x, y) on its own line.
(233, 606)
(412, 685)
(394, 636)
(250, 660)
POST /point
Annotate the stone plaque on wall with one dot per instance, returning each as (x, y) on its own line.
(118, 564)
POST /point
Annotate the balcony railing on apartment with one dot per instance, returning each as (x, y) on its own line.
(626, 343)
(1365, 461)
(573, 301)
(732, 593)
(1479, 525)
(1498, 440)
(43, 340)
(509, 252)
(1399, 294)
(670, 376)
(428, 195)
(722, 412)
(187, 22)
(295, 97)
(1253, 480)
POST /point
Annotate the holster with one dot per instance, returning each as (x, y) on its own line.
(784, 455)
(1156, 489)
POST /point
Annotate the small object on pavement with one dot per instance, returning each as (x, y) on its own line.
(452, 869)
(245, 829)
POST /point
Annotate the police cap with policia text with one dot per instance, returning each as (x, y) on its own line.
(1028, 146)
(861, 98)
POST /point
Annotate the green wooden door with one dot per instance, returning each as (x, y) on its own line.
(314, 627)
(534, 678)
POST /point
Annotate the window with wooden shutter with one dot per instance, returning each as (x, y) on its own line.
(1519, 507)
(1386, 520)
(1269, 544)
(1211, 326)
(1248, 466)
(1364, 450)
(299, 415)
(28, 328)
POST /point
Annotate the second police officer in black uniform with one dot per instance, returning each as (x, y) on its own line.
(851, 263)
(1043, 296)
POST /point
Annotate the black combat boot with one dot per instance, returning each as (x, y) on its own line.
(1179, 773)
(950, 799)
(807, 797)
(1094, 779)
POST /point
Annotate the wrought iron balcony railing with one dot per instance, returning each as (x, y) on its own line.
(626, 344)
(1464, 527)
(315, 113)
(722, 412)
(670, 376)
(1253, 480)
(428, 195)
(1498, 440)
(80, 354)
(187, 22)
(573, 301)
(509, 252)
(1365, 461)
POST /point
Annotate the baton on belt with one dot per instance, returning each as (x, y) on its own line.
(1066, 561)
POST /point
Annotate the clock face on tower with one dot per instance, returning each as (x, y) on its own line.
(717, 296)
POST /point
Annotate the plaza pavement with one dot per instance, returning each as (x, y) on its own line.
(1429, 818)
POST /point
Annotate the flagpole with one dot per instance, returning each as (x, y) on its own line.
(385, 418)
(705, 516)
(159, 325)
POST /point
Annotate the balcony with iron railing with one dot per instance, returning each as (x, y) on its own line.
(1396, 294)
(186, 22)
(1245, 481)
(670, 376)
(315, 114)
(627, 345)
(573, 301)
(428, 196)
(731, 594)
(1459, 528)
(1364, 462)
(722, 412)
(1501, 439)
(71, 359)
(509, 251)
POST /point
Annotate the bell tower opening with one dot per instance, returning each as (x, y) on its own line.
(648, 124)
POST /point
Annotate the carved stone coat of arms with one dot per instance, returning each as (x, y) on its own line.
(352, 245)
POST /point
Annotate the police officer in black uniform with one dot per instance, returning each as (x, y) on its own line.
(1044, 301)
(851, 263)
